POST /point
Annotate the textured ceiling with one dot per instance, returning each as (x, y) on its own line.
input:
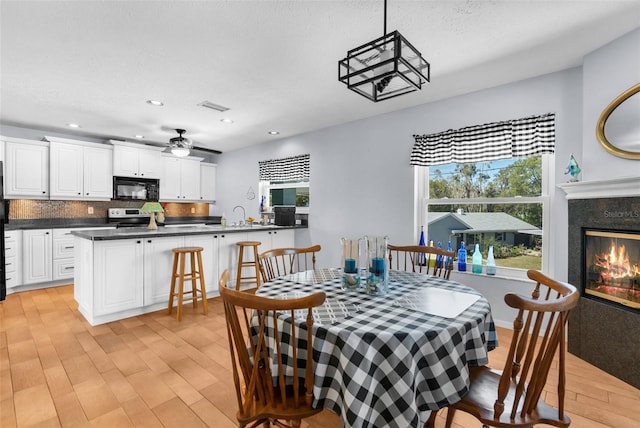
(272, 63)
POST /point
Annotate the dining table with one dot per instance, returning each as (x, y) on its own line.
(389, 360)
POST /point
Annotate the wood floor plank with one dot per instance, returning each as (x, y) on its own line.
(153, 371)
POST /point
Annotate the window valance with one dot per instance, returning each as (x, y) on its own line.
(516, 138)
(286, 169)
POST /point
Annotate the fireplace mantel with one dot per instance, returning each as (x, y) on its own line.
(615, 188)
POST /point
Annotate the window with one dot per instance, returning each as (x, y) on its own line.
(285, 182)
(488, 185)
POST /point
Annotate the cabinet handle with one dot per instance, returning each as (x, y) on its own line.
(79, 193)
(149, 241)
(68, 268)
(9, 279)
(8, 264)
(87, 193)
(7, 248)
(137, 242)
(44, 192)
(68, 248)
(46, 233)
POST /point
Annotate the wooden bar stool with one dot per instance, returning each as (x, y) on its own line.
(179, 275)
(251, 264)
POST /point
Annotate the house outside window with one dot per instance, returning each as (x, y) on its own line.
(285, 182)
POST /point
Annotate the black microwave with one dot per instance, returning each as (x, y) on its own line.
(136, 189)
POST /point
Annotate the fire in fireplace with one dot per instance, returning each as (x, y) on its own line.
(612, 266)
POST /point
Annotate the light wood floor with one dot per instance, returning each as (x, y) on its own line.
(150, 370)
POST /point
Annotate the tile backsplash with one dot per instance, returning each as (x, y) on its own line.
(31, 209)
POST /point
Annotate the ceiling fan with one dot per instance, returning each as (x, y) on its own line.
(180, 146)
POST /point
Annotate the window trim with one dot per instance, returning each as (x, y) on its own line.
(421, 201)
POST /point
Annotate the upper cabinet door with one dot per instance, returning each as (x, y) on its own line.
(27, 170)
(98, 173)
(150, 163)
(170, 189)
(66, 171)
(207, 182)
(190, 179)
(125, 161)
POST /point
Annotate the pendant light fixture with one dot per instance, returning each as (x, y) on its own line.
(385, 67)
(180, 145)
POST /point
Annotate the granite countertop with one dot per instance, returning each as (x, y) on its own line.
(143, 232)
(65, 223)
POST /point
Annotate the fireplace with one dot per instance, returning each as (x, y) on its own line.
(611, 266)
(603, 238)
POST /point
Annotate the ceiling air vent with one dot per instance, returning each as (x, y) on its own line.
(212, 106)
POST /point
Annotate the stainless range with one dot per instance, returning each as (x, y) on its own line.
(128, 217)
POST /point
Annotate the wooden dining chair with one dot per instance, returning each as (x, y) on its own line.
(512, 398)
(421, 258)
(283, 261)
(265, 395)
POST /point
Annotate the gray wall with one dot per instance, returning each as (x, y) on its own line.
(361, 180)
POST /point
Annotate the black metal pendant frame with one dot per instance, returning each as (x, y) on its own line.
(365, 72)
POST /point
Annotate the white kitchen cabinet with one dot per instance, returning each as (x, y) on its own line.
(273, 239)
(228, 253)
(36, 256)
(80, 170)
(62, 254)
(118, 276)
(136, 160)
(26, 169)
(209, 260)
(13, 257)
(158, 264)
(180, 179)
(208, 182)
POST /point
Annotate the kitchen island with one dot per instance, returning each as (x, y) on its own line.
(121, 273)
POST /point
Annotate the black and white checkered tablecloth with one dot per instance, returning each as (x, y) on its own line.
(380, 362)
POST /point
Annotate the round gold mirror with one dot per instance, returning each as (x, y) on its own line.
(618, 128)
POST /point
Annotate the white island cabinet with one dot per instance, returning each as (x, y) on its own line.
(121, 273)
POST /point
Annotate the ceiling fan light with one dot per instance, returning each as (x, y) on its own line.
(180, 151)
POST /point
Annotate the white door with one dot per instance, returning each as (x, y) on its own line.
(283, 238)
(36, 256)
(209, 260)
(125, 161)
(158, 264)
(27, 170)
(228, 253)
(66, 171)
(98, 173)
(117, 276)
(190, 179)
(170, 182)
(150, 163)
(207, 182)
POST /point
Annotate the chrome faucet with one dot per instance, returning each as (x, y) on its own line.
(244, 214)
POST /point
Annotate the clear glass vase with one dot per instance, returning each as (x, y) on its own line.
(378, 261)
(351, 255)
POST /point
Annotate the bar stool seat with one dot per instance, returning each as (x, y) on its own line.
(179, 276)
(242, 263)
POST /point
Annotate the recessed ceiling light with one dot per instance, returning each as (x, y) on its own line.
(274, 132)
(140, 137)
(73, 125)
(155, 103)
(226, 120)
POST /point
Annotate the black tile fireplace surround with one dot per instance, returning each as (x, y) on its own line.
(604, 334)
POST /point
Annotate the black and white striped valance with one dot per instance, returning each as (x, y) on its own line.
(518, 138)
(295, 168)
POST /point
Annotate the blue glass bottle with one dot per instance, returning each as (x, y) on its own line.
(462, 258)
(439, 257)
(422, 260)
(448, 260)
